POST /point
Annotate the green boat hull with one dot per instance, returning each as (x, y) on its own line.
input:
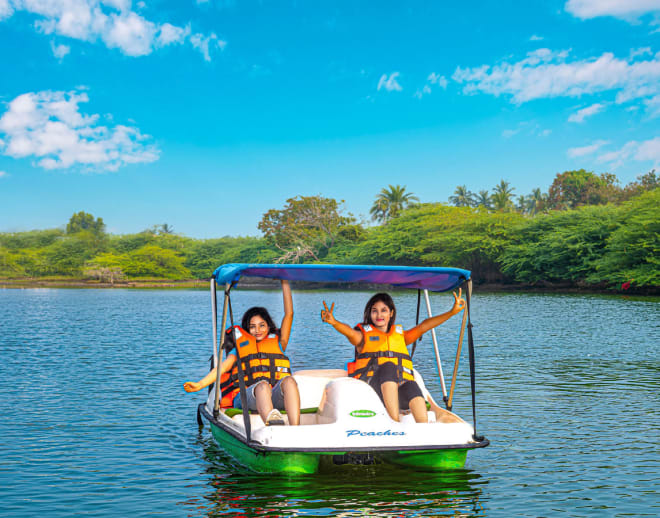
(302, 463)
(295, 463)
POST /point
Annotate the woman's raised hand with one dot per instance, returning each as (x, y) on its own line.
(459, 303)
(191, 386)
(326, 314)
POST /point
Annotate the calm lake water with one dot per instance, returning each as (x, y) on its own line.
(95, 420)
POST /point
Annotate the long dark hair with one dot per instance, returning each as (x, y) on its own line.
(385, 299)
(230, 341)
(263, 313)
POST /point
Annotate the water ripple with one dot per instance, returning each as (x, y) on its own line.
(95, 421)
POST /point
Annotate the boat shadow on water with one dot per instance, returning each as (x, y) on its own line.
(339, 490)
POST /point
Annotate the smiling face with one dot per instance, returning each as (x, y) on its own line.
(258, 328)
(381, 315)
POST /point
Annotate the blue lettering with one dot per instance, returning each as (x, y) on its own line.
(350, 433)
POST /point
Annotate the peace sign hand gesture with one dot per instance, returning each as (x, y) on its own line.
(459, 303)
(326, 314)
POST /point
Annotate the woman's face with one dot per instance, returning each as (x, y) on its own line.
(380, 316)
(258, 328)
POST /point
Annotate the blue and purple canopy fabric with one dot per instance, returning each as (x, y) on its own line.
(433, 279)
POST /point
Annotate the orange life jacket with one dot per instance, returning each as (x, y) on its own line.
(259, 360)
(380, 348)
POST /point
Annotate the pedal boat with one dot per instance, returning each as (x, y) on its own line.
(343, 420)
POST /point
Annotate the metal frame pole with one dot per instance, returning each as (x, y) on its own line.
(216, 405)
(458, 355)
(435, 347)
(214, 316)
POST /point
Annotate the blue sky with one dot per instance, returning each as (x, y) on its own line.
(204, 115)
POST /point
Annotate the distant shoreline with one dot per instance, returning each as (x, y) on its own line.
(257, 284)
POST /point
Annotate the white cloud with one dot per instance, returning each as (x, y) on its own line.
(624, 9)
(421, 93)
(59, 51)
(545, 132)
(534, 37)
(4, 174)
(582, 114)
(204, 43)
(6, 10)
(435, 79)
(508, 133)
(111, 21)
(586, 150)
(545, 74)
(171, 34)
(49, 126)
(432, 79)
(131, 33)
(648, 150)
(653, 106)
(642, 51)
(389, 83)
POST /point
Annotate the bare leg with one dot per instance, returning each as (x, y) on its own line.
(291, 400)
(442, 415)
(418, 409)
(263, 393)
(390, 391)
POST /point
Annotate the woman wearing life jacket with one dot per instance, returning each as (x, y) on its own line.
(266, 370)
(381, 356)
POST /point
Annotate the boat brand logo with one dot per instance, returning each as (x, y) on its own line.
(363, 413)
(350, 433)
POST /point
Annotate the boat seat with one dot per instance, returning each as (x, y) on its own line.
(231, 412)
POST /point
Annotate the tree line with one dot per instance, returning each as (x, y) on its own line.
(585, 231)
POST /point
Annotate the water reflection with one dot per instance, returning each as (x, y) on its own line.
(378, 490)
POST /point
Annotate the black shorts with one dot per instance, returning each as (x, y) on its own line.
(407, 390)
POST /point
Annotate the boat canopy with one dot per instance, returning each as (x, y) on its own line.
(432, 279)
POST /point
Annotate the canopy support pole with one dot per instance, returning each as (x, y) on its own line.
(458, 352)
(214, 317)
(476, 437)
(419, 300)
(216, 406)
(435, 347)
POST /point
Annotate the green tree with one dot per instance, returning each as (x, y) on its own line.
(482, 199)
(205, 256)
(536, 201)
(165, 229)
(83, 221)
(462, 197)
(67, 255)
(572, 189)
(31, 239)
(632, 250)
(501, 197)
(306, 227)
(560, 246)
(155, 262)
(390, 202)
(644, 183)
(441, 235)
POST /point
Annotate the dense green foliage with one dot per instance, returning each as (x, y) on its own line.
(591, 244)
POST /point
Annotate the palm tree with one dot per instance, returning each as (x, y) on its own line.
(462, 197)
(482, 199)
(166, 229)
(535, 201)
(502, 194)
(390, 202)
(522, 204)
